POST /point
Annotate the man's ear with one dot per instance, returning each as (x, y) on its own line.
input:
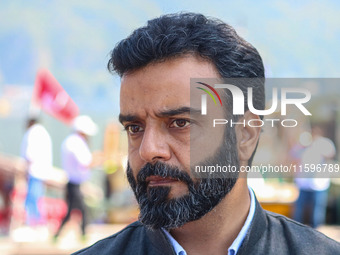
(247, 136)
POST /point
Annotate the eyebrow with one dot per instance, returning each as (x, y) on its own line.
(162, 114)
(178, 111)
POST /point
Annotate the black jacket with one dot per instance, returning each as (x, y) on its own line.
(269, 233)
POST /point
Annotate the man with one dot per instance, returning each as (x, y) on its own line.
(76, 161)
(314, 191)
(181, 213)
(36, 149)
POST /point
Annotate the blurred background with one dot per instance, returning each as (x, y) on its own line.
(73, 39)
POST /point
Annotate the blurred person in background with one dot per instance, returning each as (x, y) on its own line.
(76, 161)
(36, 149)
(314, 191)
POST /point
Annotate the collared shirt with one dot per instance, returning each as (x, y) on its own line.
(232, 250)
(316, 154)
(76, 158)
(36, 149)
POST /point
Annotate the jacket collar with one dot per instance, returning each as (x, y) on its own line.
(256, 230)
(160, 241)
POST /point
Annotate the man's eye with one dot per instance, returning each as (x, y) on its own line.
(180, 123)
(134, 129)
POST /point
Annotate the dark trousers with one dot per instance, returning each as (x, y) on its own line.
(74, 200)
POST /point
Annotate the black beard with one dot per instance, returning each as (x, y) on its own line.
(158, 211)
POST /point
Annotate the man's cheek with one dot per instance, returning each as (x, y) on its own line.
(136, 163)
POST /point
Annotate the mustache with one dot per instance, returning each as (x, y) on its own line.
(163, 170)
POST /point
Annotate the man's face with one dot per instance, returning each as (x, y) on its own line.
(155, 111)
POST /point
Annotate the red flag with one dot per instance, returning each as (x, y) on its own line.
(52, 98)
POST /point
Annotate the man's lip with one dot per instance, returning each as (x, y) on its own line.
(158, 180)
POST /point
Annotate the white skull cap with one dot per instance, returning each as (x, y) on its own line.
(85, 124)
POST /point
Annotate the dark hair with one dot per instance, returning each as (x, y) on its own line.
(173, 35)
(31, 121)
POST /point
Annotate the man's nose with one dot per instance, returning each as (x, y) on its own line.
(154, 146)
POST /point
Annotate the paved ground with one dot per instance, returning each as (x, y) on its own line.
(25, 241)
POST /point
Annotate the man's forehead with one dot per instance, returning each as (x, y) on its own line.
(144, 101)
(176, 70)
(161, 87)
